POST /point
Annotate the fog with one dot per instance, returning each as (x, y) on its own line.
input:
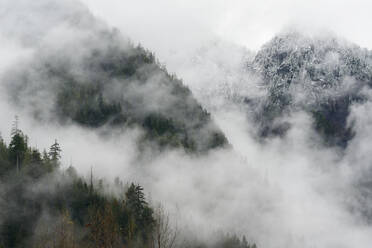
(291, 191)
(248, 23)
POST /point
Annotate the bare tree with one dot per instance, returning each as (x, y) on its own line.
(165, 235)
(55, 233)
(104, 231)
(65, 232)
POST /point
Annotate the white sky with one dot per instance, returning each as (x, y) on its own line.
(165, 24)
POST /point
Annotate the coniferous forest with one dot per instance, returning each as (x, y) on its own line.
(49, 206)
(185, 124)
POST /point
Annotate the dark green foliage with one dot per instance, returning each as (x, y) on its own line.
(54, 154)
(85, 105)
(140, 215)
(118, 85)
(160, 125)
(5, 163)
(17, 149)
(166, 132)
(89, 209)
(45, 206)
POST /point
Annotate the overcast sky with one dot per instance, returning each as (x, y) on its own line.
(275, 192)
(246, 22)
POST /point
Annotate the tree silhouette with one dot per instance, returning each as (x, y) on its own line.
(55, 151)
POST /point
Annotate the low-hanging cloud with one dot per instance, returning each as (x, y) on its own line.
(288, 192)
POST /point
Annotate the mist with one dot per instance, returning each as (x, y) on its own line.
(290, 191)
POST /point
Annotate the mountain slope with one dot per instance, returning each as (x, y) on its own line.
(92, 76)
(321, 75)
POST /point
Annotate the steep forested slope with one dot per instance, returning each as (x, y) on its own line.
(100, 79)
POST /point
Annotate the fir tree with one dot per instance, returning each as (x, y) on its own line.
(17, 149)
(55, 152)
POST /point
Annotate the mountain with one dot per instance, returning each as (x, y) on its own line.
(321, 75)
(92, 76)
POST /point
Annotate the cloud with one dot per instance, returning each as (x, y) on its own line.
(289, 192)
(248, 23)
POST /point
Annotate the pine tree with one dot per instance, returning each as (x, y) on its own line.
(141, 217)
(55, 152)
(136, 199)
(17, 149)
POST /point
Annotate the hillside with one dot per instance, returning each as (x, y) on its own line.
(322, 75)
(100, 79)
(46, 205)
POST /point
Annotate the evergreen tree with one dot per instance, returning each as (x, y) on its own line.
(35, 156)
(17, 149)
(55, 153)
(136, 198)
(4, 157)
(141, 219)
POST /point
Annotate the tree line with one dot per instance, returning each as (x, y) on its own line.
(43, 205)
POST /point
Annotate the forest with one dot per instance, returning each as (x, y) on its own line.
(46, 204)
(115, 87)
